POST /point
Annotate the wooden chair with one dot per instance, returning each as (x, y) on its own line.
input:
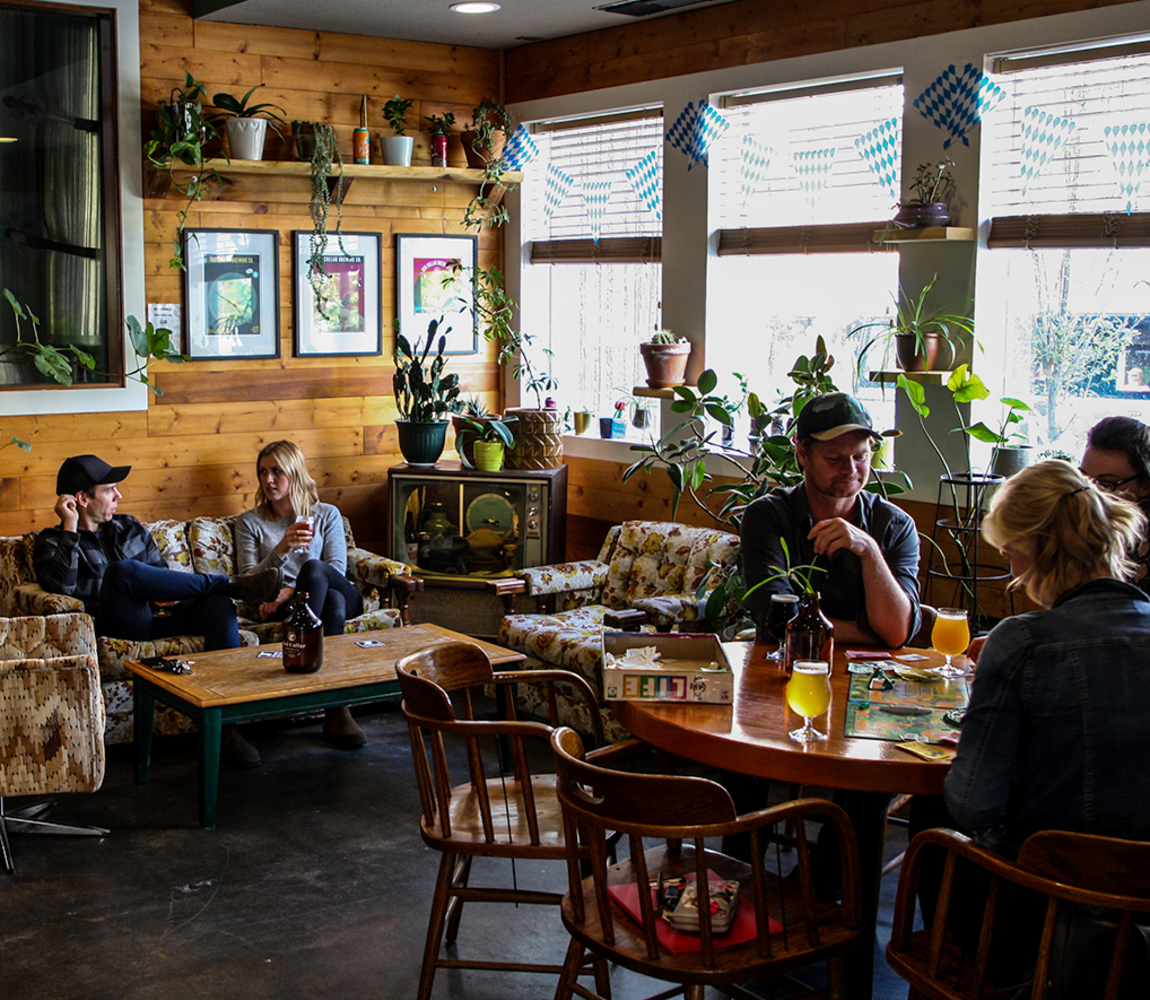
(682, 812)
(1066, 868)
(490, 814)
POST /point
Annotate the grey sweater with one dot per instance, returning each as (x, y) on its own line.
(257, 538)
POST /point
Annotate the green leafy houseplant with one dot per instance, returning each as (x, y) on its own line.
(395, 112)
(229, 106)
(916, 332)
(60, 363)
(439, 124)
(932, 184)
(486, 210)
(492, 435)
(423, 393)
(181, 135)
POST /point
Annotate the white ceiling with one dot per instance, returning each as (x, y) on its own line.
(518, 22)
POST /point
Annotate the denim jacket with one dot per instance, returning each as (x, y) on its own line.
(1058, 728)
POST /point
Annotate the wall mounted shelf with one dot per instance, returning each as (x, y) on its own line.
(931, 234)
(926, 378)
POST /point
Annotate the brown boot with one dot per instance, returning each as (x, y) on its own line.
(340, 729)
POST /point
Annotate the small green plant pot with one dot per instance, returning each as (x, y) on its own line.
(489, 455)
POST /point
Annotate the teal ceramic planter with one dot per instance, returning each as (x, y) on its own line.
(421, 443)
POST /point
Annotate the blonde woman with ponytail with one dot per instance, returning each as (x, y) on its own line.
(1056, 733)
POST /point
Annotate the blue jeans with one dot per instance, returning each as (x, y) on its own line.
(331, 596)
(129, 587)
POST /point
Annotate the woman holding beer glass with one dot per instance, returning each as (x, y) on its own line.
(289, 529)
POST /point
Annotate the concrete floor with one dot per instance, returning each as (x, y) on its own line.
(315, 884)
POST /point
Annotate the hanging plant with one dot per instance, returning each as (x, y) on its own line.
(325, 161)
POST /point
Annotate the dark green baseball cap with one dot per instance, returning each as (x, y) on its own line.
(832, 414)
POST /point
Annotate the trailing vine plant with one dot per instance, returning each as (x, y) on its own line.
(325, 156)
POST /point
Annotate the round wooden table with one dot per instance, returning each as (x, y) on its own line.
(750, 736)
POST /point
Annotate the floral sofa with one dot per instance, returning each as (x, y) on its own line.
(652, 567)
(202, 545)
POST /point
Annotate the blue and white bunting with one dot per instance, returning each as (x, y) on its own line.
(956, 102)
(813, 167)
(1129, 147)
(681, 133)
(695, 131)
(881, 150)
(1042, 136)
(520, 150)
(596, 194)
(644, 178)
(755, 161)
(555, 187)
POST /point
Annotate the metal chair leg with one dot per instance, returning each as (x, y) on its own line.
(22, 821)
(5, 847)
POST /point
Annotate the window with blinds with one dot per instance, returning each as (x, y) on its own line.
(581, 156)
(790, 158)
(1051, 173)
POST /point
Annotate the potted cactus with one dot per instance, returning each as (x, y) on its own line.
(665, 356)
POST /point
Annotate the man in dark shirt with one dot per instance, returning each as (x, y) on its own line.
(866, 545)
(111, 563)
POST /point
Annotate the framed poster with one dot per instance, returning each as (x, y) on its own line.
(433, 281)
(340, 312)
(231, 293)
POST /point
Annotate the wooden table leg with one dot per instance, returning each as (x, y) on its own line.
(867, 811)
(209, 726)
(144, 720)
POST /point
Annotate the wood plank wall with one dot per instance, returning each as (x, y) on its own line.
(193, 451)
(751, 31)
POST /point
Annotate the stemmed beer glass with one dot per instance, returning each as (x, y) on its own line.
(950, 636)
(782, 609)
(809, 694)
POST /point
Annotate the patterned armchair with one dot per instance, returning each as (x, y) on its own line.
(51, 715)
(202, 545)
(647, 571)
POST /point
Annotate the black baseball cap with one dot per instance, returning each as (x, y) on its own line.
(833, 413)
(81, 473)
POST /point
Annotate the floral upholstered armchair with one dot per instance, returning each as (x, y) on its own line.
(202, 545)
(648, 572)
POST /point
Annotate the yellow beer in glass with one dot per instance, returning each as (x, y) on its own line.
(950, 636)
(809, 695)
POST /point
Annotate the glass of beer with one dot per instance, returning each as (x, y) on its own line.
(782, 609)
(809, 695)
(950, 636)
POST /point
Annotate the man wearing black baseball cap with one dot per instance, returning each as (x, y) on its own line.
(867, 546)
(111, 563)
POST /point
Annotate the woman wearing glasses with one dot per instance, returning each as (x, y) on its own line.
(1117, 458)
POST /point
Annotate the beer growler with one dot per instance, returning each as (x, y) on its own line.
(810, 634)
(303, 637)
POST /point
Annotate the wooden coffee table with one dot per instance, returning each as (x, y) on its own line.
(238, 685)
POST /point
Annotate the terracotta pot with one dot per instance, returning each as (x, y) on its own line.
(666, 364)
(478, 160)
(909, 360)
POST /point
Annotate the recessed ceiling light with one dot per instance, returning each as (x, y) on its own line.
(474, 8)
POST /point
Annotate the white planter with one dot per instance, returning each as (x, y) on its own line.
(396, 150)
(246, 137)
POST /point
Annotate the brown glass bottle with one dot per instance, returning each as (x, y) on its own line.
(303, 637)
(810, 634)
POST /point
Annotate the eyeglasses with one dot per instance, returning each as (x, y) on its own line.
(1108, 484)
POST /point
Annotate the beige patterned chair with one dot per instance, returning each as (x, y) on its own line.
(647, 571)
(51, 716)
(202, 545)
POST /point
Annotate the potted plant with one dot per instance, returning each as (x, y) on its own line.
(665, 356)
(246, 125)
(424, 396)
(933, 190)
(181, 136)
(916, 333)
(483, 142)
(439, 128)
(397, 148)
(488, 440)
(326, 188)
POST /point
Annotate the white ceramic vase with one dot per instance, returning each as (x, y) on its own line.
(396, 150)
(246, 137)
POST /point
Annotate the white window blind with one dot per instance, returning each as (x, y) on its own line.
(1091, 89)
(600, 151)
(813, 129)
